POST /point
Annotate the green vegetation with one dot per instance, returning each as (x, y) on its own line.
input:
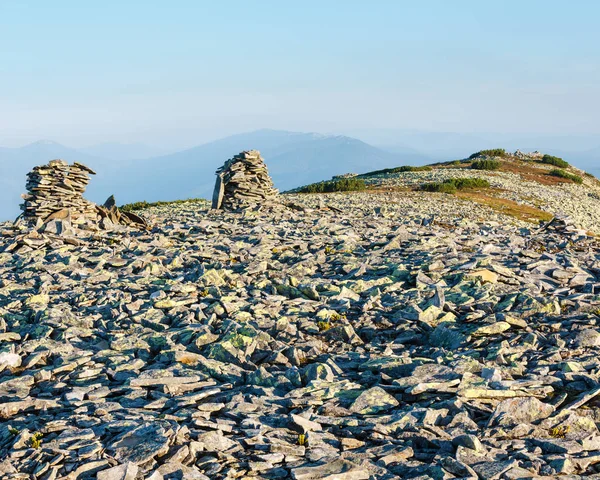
(486, 164)
(452, 163)
(494, 152)
(35, 441)
(452, 185)
(439, 187)
(556, 161)
(342, 185)
(405, 168)
(557, 172)
(323, 325)
(131, 207)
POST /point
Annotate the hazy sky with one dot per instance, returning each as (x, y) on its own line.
(181, 72)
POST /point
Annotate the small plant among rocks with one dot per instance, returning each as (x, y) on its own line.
(559, 432)
(302, 440)
(557, 172)
(324, 325)
(36, 440)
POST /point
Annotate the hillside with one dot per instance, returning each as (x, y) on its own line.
(521, 185)
(388, 333)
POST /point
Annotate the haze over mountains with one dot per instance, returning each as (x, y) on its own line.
(134, 172)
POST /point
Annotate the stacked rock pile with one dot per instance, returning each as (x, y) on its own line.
(57, 186)
(243, 181)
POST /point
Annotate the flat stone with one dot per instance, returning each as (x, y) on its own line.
(141, 444)
(127, 471)
(336, 470)
(520, 410)
(372, 401)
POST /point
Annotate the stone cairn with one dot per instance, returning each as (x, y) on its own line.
(55, 187)
(243, 181)
(55, 194)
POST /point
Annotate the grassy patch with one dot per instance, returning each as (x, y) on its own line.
(486, 164)
(452, 185)
(494, 152)
(439, 187)
(131, 207)
(557, 172)
(508, 207)
(452, 163)
(341, 185)
(406, 168)
(556, 161)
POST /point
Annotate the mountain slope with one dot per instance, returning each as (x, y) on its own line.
(292, 158)
(123, 151)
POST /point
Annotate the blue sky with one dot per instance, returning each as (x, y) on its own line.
(181, 72)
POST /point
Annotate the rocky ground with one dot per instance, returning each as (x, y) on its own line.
(346, 336)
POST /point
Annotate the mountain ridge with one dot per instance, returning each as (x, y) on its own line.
(293, 158)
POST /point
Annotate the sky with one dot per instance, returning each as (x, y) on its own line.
(179, 73)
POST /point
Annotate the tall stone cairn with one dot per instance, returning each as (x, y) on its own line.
(242, 182)
(57, 186)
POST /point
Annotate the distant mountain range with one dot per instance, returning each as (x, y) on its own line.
(293, 159)
(123, 151)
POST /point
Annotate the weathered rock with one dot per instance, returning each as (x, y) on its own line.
(372, 401)
(336, 470)
(520, 410)
(126, 471)
(141, 444)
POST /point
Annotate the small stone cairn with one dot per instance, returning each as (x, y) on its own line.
(55, 187)
(54, 199)
(242, 182)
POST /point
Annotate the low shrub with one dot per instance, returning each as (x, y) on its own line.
(486, 165)
(494, 152)
(453, 184)
(341, 185)
(557, 172)
(405, 168)
(556, 161)
(439, 187)
(465, 183)
(131, 207)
